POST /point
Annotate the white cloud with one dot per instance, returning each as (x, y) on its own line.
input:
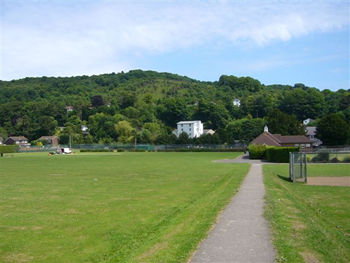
(61, 38)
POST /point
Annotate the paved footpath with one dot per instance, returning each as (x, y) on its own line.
(241, 233)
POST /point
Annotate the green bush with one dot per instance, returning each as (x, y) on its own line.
(346, 159)
(8, 149)
(279, 154)
(322, 157)
(257, 151)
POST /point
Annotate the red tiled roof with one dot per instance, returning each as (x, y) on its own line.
(295, 139)
(267, 138)
(18, 138)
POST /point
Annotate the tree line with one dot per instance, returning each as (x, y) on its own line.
(146, 105)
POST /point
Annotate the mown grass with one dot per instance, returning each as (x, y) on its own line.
(111, 207)
(309, 223)
(328, 170)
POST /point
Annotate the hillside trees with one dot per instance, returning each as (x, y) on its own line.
(333, 130)
(143, 97)
(284, 124)
(244, 130)
(303, 103)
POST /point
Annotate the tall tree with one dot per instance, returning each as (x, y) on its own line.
(285, 124)
(333, 130)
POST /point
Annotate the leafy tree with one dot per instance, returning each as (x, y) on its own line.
(303, 103)
(102, 127)
(97, 101)
(125, 132)
(333, 130)
(244, 130)
(172, 110)
(183, 139)
(284, 124)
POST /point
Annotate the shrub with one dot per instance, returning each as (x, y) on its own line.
(346, 159)
(279, 154)
(8, 149)
(322, 157)
(257, 151)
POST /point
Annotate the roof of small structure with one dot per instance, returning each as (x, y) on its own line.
(48, 137)
(186, 122)
(278, 139)
(17, 138)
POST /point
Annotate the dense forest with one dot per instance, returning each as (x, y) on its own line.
(148, 104)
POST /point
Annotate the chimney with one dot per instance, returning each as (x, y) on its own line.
(266, 129)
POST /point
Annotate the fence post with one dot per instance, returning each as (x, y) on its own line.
(291, 163)
(305, 168)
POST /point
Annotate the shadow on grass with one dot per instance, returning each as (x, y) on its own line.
(284, 178)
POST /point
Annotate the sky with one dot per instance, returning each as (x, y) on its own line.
(274, 41)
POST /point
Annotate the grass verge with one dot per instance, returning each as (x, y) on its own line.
(328, 170)
(309, 223)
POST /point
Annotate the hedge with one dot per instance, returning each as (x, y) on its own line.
(257, 151)
(8, 149)
(279, 154)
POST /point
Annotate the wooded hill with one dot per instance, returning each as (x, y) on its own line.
(148, 104)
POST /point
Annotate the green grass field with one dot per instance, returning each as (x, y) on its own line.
(328, 169)
(111, 207)
(309, 223)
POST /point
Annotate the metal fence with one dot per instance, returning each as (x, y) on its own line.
(140, 147)
(298, 161)
(329, 156)
(298, 167)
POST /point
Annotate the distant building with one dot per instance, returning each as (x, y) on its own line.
(19, 140)
(208, 131)
(307, 121)
(194, 129)
(311, 133)
(69, 108)
(236, 102)
(84, 129)
(53, 140)
(267, 138)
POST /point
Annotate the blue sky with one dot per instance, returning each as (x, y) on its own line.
(277, 42)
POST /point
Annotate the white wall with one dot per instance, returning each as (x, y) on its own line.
(192, 128)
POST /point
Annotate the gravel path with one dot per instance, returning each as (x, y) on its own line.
(241, 233)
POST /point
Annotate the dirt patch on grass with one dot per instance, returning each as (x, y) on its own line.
(18, 257)
(297, 225)
(309, 257)
(331, 181)
(152, 250)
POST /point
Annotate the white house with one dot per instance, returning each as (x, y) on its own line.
(307, 121)
(84, 129)
(236, 102)
(194, 129)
